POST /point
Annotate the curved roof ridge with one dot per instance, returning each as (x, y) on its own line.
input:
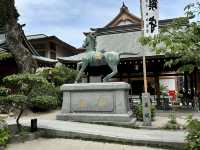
(124, 10)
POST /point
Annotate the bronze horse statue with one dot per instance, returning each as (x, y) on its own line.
(93, 57)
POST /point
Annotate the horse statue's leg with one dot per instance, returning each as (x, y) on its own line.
(114, 72)
(78, 66)
(77, 69)
(84, 65)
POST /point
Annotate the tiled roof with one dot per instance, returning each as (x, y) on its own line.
(123, 43)
(35, 55)
(55, 38)
(123, 11)
(134, 27)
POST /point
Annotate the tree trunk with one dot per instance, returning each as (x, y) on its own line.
(22, 55)
(17, 121)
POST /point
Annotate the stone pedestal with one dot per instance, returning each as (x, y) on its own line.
(96, 102)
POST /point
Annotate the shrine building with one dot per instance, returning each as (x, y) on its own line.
(122, 35)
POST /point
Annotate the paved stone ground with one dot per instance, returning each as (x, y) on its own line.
(47, 120)
(109, 133)
(134, 136)
(68, 144)
(160, 121)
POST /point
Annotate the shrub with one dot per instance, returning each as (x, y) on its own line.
(60, 96)
(43, 103)
(4, 103)
(138, 110)
(4, 91)
(4, 136)
(59, 75)
(4, 133)
(193, 136)
(44, 91)
(172, 123)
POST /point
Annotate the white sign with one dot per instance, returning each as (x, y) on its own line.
(151, 17)
(170, 84)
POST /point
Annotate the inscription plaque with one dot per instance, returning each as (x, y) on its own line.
(92, 102)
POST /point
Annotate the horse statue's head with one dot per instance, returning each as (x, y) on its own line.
(90, 41)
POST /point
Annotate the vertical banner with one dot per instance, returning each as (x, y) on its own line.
(150, 15)
(150, 9)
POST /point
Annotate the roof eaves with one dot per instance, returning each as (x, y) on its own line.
(61, 41)
(44, 59)
(55, 38)
(36, 36)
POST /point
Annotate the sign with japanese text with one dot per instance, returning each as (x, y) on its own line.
(151, 17)
(146, 104)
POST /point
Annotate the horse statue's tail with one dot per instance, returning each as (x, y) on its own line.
(128, 53)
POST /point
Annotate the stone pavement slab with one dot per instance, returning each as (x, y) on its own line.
(72, 144)
(66, 129)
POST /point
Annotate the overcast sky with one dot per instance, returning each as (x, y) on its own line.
(68, 19)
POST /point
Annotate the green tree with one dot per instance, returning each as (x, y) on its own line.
(180, 40)
(21, 86)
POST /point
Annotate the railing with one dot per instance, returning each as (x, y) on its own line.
(167, 102)
(137, 99)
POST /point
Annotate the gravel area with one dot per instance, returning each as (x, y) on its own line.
(68, 144)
